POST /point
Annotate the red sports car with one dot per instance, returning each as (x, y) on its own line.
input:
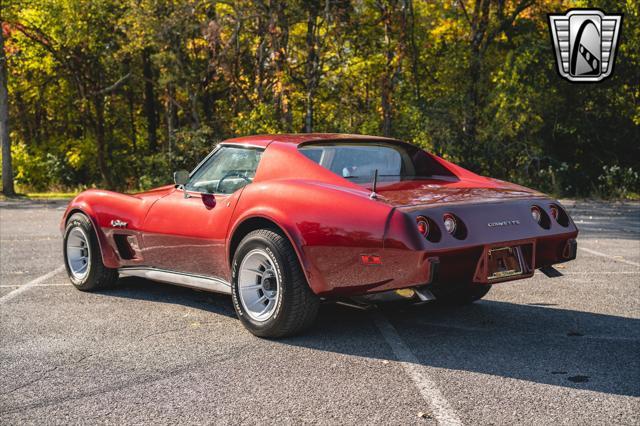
(283, 221)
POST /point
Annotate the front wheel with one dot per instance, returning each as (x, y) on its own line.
(460, 295)
(270, 292)
(82, 257)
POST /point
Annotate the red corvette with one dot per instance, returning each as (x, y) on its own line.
(281, 222)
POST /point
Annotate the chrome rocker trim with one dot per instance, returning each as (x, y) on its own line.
(198, 282)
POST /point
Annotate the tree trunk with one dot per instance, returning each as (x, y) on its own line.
(172, 116)
(386, 106)
(7, 169)
(101, 143)
(279, 44)
(479, 24)
(387, 83)
(262, 51)
(132, 117)
(415, 55)
(470, 119)
(193, 103)
(150, 102)
(311, 66)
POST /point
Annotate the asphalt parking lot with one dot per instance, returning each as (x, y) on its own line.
(544, 351)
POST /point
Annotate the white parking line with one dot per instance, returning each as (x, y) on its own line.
(30, 284)
(598, 253)
(440, 407)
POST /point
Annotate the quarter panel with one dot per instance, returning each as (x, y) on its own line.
(330, 228)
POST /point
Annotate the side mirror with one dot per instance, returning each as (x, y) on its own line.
(181, 178)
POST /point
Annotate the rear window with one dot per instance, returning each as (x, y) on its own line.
(358, 161)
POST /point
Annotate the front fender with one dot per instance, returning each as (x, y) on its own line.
(102, 207)
(82, 204)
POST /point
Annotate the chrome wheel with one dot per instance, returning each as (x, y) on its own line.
(258, 285)
(78, 253)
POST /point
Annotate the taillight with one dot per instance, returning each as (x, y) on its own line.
(536, 214)
(423, 226)
(559, 215)
(450, 223)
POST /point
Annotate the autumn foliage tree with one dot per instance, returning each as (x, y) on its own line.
(120, 93)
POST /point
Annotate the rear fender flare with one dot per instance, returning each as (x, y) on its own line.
(291, 232)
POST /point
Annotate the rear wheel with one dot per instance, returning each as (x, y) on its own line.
(82, 256)
(270, 292)
(460, 295)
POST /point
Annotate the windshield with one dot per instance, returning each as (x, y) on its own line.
(227, 170)
(359, 161)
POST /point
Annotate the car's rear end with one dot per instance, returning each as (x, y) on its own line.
(447, 227)
(481, 236)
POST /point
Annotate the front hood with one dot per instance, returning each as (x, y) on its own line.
(416, 193)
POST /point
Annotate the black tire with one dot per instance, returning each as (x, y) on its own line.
(460, 295)
(296, 306)
(98, 276)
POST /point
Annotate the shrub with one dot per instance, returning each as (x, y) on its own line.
(618, 182)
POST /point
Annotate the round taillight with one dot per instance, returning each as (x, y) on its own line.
(423, 225)
(536, 214)
(554, 212)
(450, 223)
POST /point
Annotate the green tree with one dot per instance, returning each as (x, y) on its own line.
(118, 93)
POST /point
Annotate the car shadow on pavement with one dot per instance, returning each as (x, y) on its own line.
(536, 342)
(142, 289)
(561, 347)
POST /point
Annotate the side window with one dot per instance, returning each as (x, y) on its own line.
(226, 171)
(313, 154)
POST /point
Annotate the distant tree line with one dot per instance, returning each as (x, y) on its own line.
(118, 93)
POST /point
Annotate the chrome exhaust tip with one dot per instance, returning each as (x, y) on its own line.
(424, 295)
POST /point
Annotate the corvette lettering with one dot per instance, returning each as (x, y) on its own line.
(504, 223)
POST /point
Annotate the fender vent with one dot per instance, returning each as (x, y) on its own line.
(125, 251)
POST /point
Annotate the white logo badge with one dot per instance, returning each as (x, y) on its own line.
(585, 41)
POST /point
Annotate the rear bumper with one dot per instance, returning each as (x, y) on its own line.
(468, 265)
(408, 268)
(482, 227)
